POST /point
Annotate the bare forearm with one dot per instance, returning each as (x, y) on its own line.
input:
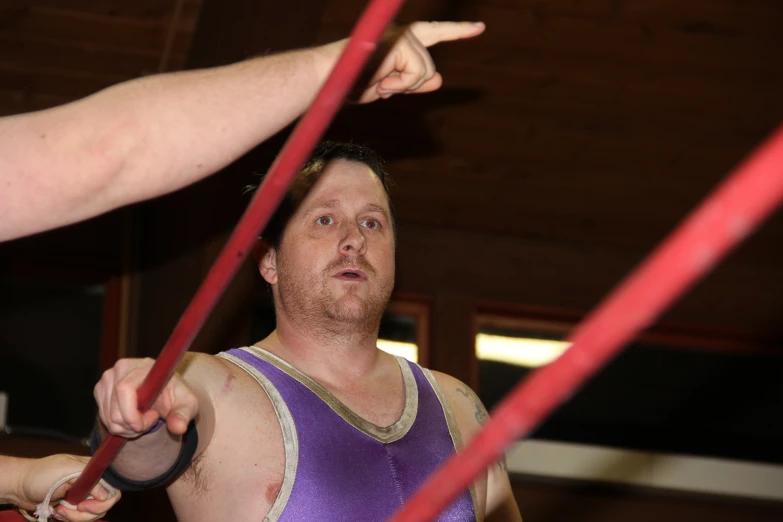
(194, 123)
(12, 471)
(146, 137)
(154, 135)
(147, 457)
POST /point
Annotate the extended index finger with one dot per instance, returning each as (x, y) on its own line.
(430, 33)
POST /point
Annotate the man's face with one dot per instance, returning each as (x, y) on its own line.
(336, 259)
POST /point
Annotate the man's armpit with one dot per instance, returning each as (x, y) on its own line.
(196, 475)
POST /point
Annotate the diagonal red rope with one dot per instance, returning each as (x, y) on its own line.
(363, 41)
(727, 217)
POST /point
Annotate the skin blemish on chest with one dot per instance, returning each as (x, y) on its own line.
(228, 385)
(272, 490)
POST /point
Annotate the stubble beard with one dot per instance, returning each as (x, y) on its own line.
(312, 306)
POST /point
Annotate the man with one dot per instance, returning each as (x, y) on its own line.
(154, 135)
(25, 482)
(314, 422)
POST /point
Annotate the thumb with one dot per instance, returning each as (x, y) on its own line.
(177, 422)
(180, 416)
(431, 33)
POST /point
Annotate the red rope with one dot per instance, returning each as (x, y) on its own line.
(303, 140)
(732, 212)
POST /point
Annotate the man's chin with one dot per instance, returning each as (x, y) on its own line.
(355, 310)
(349, 311)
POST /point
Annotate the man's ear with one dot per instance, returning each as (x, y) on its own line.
(266, 258)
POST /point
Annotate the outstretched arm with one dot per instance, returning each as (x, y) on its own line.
(25, 483)
(154, 135)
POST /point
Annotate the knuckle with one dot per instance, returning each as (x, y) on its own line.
(123, 388)
(115, 418)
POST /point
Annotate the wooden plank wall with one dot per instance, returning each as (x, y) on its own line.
(52, 52)
(570, 138)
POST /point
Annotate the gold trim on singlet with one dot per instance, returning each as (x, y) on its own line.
(385, 434)
(288, 428)
(456, 437)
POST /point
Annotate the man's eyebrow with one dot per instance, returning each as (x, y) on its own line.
(377, 208)
(332, 203)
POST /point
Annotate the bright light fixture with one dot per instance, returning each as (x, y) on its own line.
(519, 351)
(409, 351)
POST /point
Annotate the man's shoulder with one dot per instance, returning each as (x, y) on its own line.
(231, 390)
(464, 402)
(452, 387)
(218, 375)
(445, 380)
(205, 365)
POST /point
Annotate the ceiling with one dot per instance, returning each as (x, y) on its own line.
(52, 52)
(566, 142)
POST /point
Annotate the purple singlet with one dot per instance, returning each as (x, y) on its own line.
(340, 467)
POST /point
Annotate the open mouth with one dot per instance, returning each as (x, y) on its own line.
(351, 275)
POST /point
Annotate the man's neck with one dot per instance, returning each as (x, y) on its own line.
(327, 357)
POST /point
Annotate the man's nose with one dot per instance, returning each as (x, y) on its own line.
(353, 241)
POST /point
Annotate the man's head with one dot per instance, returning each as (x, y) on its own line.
(330, 246)
(326, 152)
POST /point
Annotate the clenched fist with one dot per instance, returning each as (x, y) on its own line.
(116, 395)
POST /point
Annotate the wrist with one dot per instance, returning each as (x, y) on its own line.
(12, 476)
(324, 59)
(101, 432)
(155, 427)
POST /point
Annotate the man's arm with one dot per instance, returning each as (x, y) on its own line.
(189, 395)
(25, 483)
(471, 415)
(154, 135)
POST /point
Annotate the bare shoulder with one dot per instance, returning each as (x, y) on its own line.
(203, 366)
(470, 413)
(228, 385)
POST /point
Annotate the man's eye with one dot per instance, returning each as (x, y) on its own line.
(372, 224)
(325, 220)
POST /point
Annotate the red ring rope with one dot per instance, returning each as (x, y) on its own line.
(729, 215)
(303, 140)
